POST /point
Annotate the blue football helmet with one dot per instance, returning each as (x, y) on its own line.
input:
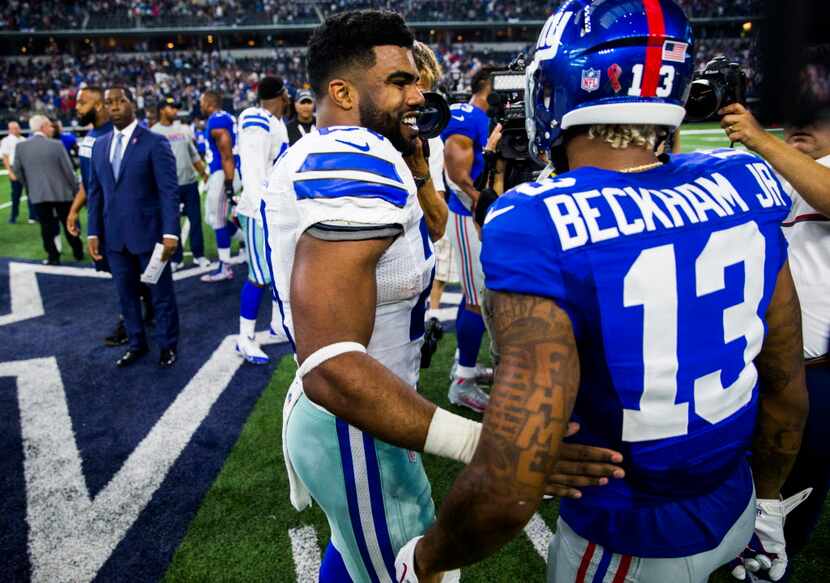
(608, 62)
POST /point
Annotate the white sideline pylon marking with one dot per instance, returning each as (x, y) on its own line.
(26, 301)
(539, 534)
(24, 291)
(306, 553)
(71, 535)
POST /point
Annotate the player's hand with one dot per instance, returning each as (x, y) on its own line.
(766, 553)
(233, 215)
(12, 175)
(229, 192)
(494, 139)
(417, 161)
(580, 466)
(741, 126)
(92, 245)
(72, 224)
(405, 571)
(170, 246)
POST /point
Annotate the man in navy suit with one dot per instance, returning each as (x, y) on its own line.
(134, 204)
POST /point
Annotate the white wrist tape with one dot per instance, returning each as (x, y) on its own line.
(325, 353)
(452, 436)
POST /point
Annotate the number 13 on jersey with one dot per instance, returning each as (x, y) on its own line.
(651, 286)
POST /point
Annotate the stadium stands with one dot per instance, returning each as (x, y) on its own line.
(31, 15)
(48, 84)
(46, 80)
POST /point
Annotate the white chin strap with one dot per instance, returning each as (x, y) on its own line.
(325, 353)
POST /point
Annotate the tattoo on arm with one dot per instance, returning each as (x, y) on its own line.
(536, 385)
(783, 400)
(538, 379)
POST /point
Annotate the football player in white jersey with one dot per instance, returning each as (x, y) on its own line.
(351, 261)
(262, 138)
(352, 266)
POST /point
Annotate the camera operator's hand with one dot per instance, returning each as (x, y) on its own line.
(741, 126)
(494, 139)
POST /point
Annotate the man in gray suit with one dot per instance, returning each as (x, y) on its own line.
(44, 168)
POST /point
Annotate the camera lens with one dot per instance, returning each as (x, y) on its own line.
(705, 100)
(433, 116)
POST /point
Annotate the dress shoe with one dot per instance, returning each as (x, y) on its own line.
(118, 336)
(51, 261)
(130, 357)
(168, 357)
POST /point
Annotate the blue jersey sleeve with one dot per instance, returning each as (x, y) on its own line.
(223, 122)
(518, 252)
(463, 123)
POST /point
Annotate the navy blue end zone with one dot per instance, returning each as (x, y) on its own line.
(113, 410)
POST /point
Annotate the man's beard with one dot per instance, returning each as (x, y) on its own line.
(386, 124)
(88, 118)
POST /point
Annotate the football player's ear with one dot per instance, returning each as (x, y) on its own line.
(343, 94)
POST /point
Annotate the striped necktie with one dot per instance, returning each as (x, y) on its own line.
(116, 157)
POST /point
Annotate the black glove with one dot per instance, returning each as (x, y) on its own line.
(229, 193)
(486, 197)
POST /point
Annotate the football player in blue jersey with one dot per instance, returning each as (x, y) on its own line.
(466, 138)
(224, 181)
(648, 298)
(351, 262)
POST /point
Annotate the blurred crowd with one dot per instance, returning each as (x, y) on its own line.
(48, 84)
(73, 14)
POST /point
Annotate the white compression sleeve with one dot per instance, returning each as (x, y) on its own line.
(325, 353)
(452, 436)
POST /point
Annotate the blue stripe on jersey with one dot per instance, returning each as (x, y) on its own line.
(256, 124)
(283, 150)
(350, 161)
(274, 292)
(425, 238)
(351, 497)
(341, 187)
(378, 512)
(248, 116)
(602, 567)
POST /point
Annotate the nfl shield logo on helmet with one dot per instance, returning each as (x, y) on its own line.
(590, 80)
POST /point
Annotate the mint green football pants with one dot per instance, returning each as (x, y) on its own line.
(376, 497)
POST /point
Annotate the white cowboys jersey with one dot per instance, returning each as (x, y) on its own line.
(349, 183)
(262, 138)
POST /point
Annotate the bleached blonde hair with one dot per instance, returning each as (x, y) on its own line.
(427, 64)
(627, 135)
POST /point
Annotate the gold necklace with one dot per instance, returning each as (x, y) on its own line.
(642, 168)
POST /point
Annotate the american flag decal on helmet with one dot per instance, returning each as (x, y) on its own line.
(674, 51)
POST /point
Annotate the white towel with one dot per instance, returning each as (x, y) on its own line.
(300, 496)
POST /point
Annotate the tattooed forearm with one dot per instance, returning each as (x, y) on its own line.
(533, 395)
(783, 401)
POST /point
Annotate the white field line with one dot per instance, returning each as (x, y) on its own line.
(306, 553)
(540, 535)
